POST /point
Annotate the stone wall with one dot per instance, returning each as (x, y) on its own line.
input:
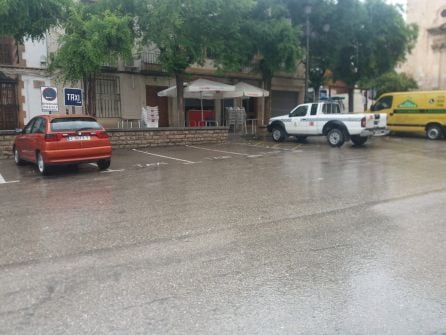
(140, 138)
(6, 140)
(143, 138)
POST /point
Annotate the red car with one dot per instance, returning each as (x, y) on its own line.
(62, 139)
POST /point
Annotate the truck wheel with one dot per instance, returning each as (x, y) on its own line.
(358, 140)
(335, 137)
(278, 134)
(434, 132)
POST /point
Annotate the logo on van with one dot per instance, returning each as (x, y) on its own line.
(408, 104)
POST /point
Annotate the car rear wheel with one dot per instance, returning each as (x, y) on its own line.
(278, 134)
(41, 166)
(104, 164)
(358, 140)
(17, 158)
(335, 137)
(434, 132)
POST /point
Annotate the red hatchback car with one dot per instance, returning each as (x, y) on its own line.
(62, 139)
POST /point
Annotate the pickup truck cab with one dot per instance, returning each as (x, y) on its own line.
(325, 119)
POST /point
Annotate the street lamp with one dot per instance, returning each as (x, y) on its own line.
(307, 51)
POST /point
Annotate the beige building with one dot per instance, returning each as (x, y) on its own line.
(427, 62)
(124, 88)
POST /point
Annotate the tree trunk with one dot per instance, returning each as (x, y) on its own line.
(351, 92)
(268, 101)
(180, 100)
(90, 95)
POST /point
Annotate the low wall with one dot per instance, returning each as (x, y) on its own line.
(6, 141)
(157, 137)
(143, 138)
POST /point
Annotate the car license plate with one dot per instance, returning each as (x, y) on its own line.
(79, 138)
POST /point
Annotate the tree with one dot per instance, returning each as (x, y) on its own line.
(91, 40)
(31, 18)
(371, 38)
(392, 82)
(320, 38)
(184, 31)
(268, 41)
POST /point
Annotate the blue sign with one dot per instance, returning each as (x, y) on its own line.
(49, 94)
(73, 96)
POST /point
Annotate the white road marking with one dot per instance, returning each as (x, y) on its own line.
(110, 170)
(93, 164)
(3, 181)
(218, 158)
(222, 151)
(156, 164)
(173, 158)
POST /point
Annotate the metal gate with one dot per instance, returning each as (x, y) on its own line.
(9, 108)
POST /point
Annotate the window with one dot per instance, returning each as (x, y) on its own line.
(6, 51)
(299, 111)
(39, 126)
(330, 109)
(108, 97)
(443, 13)
(383, 103)
(74, 124)
(314, 109)
(29, 126)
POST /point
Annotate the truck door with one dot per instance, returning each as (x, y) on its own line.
(298, 122)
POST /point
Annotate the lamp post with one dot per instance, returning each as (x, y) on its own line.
(307, 51)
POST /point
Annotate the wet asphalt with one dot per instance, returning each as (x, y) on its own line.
(249, 237)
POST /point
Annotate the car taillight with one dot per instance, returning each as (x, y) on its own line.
(53, 137)
(363, 122)
(102, 134)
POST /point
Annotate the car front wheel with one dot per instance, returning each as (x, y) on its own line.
(17, 158)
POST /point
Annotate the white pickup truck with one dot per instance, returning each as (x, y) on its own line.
(325, 119)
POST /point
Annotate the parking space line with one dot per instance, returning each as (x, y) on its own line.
(3, 181)
(222, 151)
(167, 157)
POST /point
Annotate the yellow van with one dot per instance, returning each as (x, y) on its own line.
(417, 112)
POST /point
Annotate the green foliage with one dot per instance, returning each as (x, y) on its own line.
(184, 31)
(30, 18)
(264, 37)
(374, 38)
(90, 41)
(392, 82)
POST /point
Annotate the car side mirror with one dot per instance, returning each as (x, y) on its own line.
(18, 130)
(372, 108)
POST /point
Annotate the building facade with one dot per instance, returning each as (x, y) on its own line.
(124, 88)
(427, 62)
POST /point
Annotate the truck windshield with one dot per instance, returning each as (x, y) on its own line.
(383, 103)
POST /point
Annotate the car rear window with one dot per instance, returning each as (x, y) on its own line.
(67, 124)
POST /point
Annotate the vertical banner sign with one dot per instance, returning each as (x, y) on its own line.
(73, 96)
(49, 99)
